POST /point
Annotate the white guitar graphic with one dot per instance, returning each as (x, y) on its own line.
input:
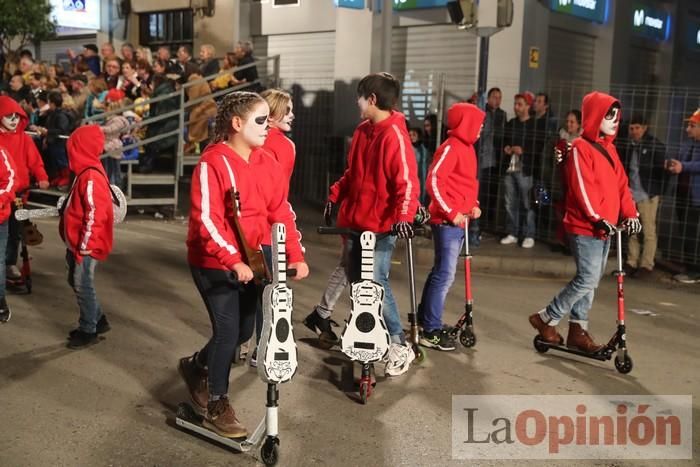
(365, 337)
(277, 351)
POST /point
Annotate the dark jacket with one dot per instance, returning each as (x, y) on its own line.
(490, 144)
(250, 74)
(209, 67)
(166, 125)
(652, 156)
(525, 135)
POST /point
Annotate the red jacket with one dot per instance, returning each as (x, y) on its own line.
(87, 222)
(23, 150)
(451, 181)
(282, 149)
(8, 183)
(211, 241)
(380, 185)
(596, 188)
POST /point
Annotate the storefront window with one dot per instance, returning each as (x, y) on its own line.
(166, 28)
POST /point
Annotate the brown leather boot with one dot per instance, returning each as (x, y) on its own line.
(196, 381)
(548, 333)
(221, 418)
(580, 339)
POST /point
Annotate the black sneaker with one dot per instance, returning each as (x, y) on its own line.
(439, 339)
(322, 327)
(82, 339)
(102, 327)
(5, 312)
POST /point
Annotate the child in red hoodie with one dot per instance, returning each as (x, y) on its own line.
(235, 162)
(453, 189)
(379, 193)
(597, 199)
(86, 227)
(8, 182)
(27, 162)
(281, 118)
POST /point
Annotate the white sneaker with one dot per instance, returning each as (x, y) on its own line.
(399, 359)
(13, 272)
(528, 242)
(509, 240)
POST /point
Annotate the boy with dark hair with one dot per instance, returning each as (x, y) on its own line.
(378, 192)
(453, 188)
(86, 227)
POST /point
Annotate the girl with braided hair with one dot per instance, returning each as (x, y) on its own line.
(234, 163)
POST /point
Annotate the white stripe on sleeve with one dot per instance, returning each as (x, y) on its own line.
(206, 217)
(91, 216)
(436, 191)
(409, 185)
(11, 181)
(586, 200)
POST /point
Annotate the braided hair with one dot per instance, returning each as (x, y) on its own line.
(236, 104)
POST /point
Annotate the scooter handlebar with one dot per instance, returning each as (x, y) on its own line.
(323, 230)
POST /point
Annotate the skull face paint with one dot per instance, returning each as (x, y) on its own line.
(285, 123)
(254, 128)
(611, 121)
(10, 122)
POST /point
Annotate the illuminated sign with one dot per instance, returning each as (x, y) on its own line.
(651, 23)
(354, 4)
(80, 14)
(416, 4)
(591, 10)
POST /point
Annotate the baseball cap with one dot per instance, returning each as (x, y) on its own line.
(527, 96)
(115, 95)
(695, 118)
(92, 47)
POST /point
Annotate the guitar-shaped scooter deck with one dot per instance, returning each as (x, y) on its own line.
(365, 338)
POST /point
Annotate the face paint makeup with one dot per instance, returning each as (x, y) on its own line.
(254, 129)
(10, 122)
(611, 121)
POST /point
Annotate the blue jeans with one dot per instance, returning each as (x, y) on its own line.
(447, 241)
(518, 206)
(591, 256)
(81, 277)
(383, 250)
(4, 232)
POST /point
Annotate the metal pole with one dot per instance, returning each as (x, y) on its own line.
(483, 66)
(387, 10)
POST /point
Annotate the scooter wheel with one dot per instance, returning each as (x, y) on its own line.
(364, 391)
(467, 338)
(540, 346)
(624, 366)
(420, 354)
(28, 283)
(269, 452)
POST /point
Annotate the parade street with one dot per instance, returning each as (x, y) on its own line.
(113, 404)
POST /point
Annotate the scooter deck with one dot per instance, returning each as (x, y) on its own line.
(190, 420)
(603, 356)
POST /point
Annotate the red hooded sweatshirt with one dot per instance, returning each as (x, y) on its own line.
(282, 149)
(8, 183)
(23, 150)
(597, 188)
(211, 239)
(380, 185)
(451, 181)
(87, 222)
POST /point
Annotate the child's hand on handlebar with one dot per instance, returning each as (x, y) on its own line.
(243, 272)
(302, 270)
(476, 212)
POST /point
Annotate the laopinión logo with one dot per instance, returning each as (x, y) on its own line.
(572, 427)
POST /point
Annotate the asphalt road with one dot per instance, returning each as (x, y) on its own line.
(112, 404)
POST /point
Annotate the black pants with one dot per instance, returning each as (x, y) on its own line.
(689, 217)
(13, 238)
(232, 308)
